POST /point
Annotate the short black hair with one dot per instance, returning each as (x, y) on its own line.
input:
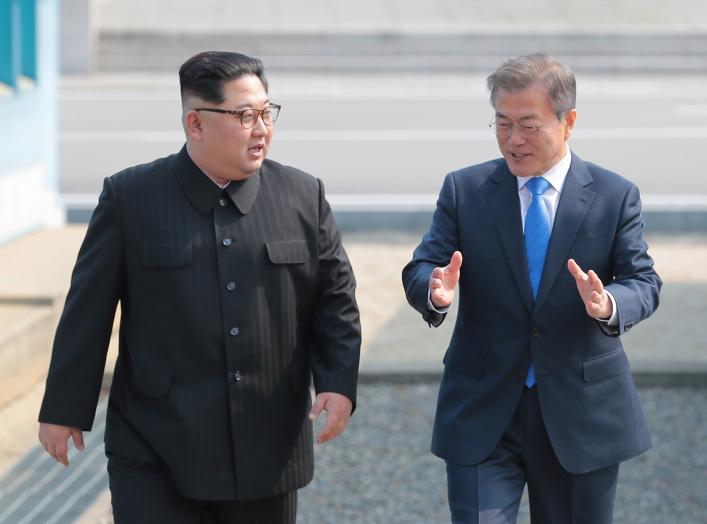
(204, 74)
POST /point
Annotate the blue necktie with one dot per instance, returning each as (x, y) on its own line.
(537, 237)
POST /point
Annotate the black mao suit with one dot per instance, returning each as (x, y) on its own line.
(230, 301)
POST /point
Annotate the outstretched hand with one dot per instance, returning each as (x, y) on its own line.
(596, 301)
(338, 408)
(443, 281)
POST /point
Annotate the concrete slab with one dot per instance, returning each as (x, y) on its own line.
(37, 267)
(25, 335)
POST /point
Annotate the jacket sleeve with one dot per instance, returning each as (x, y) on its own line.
(82, 337)
(435, 250)
(636, 285)
(337, 328)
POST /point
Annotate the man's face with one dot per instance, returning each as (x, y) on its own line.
(236, 153)
(536, 139)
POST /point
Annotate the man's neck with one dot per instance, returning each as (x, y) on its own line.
(220, 182)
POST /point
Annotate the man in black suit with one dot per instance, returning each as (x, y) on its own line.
(537, 388)
(234, 290)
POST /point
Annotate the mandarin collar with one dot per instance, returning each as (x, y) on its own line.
(203, 193)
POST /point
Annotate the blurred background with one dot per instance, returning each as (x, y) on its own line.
(380, 100)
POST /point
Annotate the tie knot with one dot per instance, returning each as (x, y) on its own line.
(537, 185)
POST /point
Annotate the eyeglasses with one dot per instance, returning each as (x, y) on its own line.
(504, 129)
(249, 117)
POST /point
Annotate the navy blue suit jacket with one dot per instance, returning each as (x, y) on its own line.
(587, 395)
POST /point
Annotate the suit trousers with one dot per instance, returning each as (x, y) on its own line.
(490, 492)
(144, 494)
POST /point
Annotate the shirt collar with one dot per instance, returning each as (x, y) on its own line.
(556, 175)
(243, 192)
(203, 193)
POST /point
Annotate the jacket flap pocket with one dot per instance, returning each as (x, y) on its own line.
(152, 382)
(166, 255)
(605, 366)
(463, 362)
(287, 252)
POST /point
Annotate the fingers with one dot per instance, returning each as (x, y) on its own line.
(576, 271)
(440, 293)
(60, 452)
(317, 407)
(595, 282)
(338, 408)
(77, 437)
(456, 262)
(335, 424)
(436, 278)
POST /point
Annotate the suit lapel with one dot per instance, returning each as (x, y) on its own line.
(574, 204)
(501, 192)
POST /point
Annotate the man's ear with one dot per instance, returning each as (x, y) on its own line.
(193, 125)
(570, 117)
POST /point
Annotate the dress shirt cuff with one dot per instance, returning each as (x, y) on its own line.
(613, 320)
(431, 306)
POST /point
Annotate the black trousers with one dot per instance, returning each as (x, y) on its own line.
(142, 494)
(490, 492)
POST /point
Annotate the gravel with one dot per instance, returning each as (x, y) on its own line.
(380, 471)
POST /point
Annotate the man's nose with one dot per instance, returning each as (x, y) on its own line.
(515, 135)
(260, 126)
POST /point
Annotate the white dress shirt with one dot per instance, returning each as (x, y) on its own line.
(556, 176)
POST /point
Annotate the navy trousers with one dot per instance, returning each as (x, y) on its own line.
(490, 492)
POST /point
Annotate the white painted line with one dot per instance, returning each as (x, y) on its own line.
(80, 200)
(371, 202)
(691, 110)
(674, 202)
(90, 437)
(51, 495)
(640, 133)
(120, 136)
(390, 135)
(21, 478)
(425, 201)
(171, 96)
(99, 476)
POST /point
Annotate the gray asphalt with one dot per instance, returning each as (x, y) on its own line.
(380, 470)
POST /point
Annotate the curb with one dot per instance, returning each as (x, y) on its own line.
(419, 220)
(643, 379)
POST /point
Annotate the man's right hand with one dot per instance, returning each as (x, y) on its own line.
(443, 281)
(55, 440)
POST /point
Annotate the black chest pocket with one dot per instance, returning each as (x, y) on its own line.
(287, 252)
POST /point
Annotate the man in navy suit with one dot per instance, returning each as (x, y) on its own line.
(537, 388)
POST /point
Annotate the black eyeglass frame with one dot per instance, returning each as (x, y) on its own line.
(240, 112)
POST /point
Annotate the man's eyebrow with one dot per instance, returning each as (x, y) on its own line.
(523, 118)
(251, 106)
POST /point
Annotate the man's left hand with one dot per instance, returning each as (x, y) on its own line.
(596, 301)
(338, 408)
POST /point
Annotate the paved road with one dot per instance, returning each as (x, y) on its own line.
(392, 134)
(381, 471)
